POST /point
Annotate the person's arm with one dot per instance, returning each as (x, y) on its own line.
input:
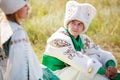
(106, 58)
(110, 72)
(64, 51)
(100, 54)
(102, 70)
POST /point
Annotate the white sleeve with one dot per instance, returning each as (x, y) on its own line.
(21, 59)
(96, 52)
(63, 51)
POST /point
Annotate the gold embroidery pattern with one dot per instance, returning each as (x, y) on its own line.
(18, 41)
(60, 43)
(65, 33)
(70, 52)
(87, 43)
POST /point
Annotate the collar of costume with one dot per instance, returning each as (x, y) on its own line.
(78, 44)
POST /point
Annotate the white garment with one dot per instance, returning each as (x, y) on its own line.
(83, 65)
(5, 34)
(21, 57)
(1, 73)
(5, 30)
(3, 63)
(69, 73)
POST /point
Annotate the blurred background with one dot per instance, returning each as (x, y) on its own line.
(47, 16)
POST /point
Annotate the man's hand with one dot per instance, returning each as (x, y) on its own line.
(111, 72)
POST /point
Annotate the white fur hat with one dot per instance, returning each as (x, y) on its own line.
(11, 6)
(82, 12)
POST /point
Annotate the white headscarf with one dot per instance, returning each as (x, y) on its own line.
(11, 6)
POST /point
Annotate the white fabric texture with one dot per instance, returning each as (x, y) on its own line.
(82, 12)
(69, 73)
(14, 5)
(81, 63)
(5, 30)
(3, 63)
(22, 57)
(5, 34)
(94, 51)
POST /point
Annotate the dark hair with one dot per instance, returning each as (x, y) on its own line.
(11, 17)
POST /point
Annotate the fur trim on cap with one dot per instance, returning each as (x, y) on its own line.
(81, 12)
(11, 6)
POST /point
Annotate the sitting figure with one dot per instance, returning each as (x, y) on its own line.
(18, 60)
(72, 55)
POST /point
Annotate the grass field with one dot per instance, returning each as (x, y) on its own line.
(47, 16)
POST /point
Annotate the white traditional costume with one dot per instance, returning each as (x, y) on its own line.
(22, 58)
(82, 65)
(5, 34)
(61, 56)
(22, 62)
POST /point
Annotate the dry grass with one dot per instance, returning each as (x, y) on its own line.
(47, 16)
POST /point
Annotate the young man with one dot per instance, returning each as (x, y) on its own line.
(72, 55)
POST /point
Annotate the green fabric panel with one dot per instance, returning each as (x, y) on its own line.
(49, 75)
(52, 62)
(110, 63)
(101, 71)
(78, 44)
(117, 77)
(6, 47)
